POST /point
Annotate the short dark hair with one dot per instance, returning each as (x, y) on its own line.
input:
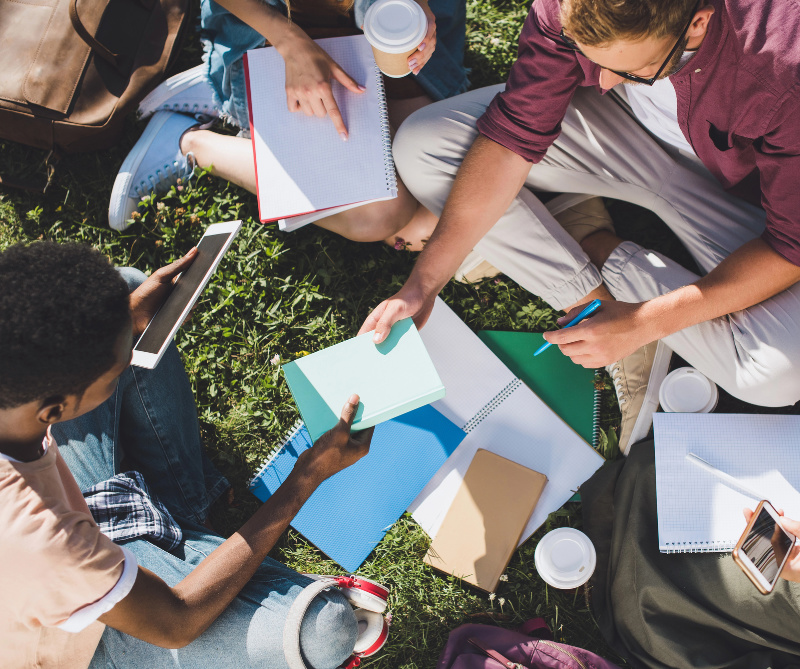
(601, 22)
(62, 310)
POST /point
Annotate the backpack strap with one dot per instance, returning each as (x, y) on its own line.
(536, 627)
(294, 619)
(497, 657)
(101, 50)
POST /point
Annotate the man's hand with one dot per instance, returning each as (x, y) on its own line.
(791, 570)
(147, 299)
(422, 55)
(408, 301)
(615, 331)
(309, 70)
(337, 449)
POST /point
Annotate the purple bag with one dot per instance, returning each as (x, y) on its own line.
(487, 647)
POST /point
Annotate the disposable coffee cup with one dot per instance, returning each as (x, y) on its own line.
(395, 28)
(685, 390)
(565, 558)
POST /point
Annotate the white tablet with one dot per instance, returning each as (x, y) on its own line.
(162, 328)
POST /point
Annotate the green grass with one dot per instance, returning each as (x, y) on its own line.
(281, 295)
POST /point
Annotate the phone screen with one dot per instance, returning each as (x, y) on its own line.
(767, 545)
(162, 324)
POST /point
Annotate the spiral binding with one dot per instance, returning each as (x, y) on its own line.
(491, 405)
(286, 439)
(388, 160)
(596, 412)
(697, 546)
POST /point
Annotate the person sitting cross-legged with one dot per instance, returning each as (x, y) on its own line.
(174, 593)
(690, 108)
(175, 142)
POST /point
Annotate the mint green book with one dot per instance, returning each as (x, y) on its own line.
(391, 378)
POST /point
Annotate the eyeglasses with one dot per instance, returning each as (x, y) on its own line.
(570, 43)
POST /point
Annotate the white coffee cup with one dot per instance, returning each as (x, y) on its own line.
(395, 28)
(565, 558)
(685, 390)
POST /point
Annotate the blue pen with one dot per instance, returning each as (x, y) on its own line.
(588, 310)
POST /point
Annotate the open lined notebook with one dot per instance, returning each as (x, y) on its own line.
(501, 414)
(700, 511)
(304, 171)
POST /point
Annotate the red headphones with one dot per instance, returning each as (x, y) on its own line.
(369, 599)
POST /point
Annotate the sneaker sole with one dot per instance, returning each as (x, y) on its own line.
(644, 420)
(168, 89)
(122, 184)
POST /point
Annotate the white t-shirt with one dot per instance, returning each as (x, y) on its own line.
(656, 107)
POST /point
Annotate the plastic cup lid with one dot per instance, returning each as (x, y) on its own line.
(565, 558)
(686, 390)
(395, 26)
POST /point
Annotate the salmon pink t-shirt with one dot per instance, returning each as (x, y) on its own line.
(58, 572)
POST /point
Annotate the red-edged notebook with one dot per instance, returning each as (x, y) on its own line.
(304, 170)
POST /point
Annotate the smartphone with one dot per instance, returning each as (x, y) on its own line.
(190, 284)
(763, 548)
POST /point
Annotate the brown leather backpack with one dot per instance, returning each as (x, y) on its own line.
(70, 70)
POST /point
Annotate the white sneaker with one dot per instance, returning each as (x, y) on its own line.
(186, 93)
(637, 379)
(154, 164)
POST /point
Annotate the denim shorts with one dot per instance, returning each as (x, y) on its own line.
(226, 39)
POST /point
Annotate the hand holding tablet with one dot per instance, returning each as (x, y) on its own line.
(185, 293)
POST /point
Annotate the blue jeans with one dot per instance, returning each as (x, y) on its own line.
(151, 422)
(227, 39)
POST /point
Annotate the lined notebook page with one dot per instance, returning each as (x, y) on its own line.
(302, 164)
(697, 510)
(500, 414)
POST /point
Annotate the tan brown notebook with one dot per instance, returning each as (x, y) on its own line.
(486, 520)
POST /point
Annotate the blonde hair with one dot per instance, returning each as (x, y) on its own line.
(601, 22)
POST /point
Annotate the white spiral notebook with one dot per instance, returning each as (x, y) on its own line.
(500, 414)
(304, 171)
(745, 458)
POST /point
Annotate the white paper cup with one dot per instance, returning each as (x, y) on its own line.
(395, 28)
(565, 558)
(685, 390)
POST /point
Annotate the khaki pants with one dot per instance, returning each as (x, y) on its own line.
(753, 354)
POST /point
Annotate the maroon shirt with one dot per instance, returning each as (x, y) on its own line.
(738, 103)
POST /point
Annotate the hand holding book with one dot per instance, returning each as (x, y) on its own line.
(338, 448)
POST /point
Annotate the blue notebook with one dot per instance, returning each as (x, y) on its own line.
(349, 514)
(391, 378)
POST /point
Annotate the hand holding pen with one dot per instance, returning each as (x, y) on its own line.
(587, 311)
(613, 332)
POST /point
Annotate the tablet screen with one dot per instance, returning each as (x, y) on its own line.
(164, 321)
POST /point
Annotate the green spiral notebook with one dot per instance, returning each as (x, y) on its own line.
(568, 389)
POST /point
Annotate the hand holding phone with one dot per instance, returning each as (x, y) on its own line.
(766, 549)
